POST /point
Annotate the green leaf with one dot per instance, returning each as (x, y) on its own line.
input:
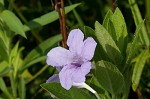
(47, 18)
(4, 88)
(138, 68)
(107, 44)
(61, 93)
(15, 58)
(13, 22)
(3, 51)
(4, 68)
(14, 51)
(89, 32)
(138, 18)
(21, 88)
(107, 18)
(96, 86)
(109, 77)
(39, 53)
(1, 4)
(118, 25)
(135, 40)
(99, 52)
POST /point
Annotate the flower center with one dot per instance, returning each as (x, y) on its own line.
(76, 64)
(77, 61)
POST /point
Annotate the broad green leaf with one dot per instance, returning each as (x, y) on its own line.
(118, 25)
(13, 22)
(107, 18)
(109, 77)
(107, 44)
(21, 88)
(4, 88)
(99, 52)
(89, 32)
(47, 18)
(99, 89)
(39, 53)
(138, 68)
(111, 31)
(96, 86)
(61, 93)
(138, 18)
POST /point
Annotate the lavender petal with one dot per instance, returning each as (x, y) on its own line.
(59, 57)
(88, 48)
(75, 41)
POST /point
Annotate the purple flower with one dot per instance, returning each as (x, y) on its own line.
(72, 64)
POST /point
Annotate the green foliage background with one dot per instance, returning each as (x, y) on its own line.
(33, 28)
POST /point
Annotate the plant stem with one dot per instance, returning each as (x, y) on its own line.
(62, 21)
(64, 24)
(113, 5)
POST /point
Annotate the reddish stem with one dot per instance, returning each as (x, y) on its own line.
(62, 21)
(64, 24)
(113, 5)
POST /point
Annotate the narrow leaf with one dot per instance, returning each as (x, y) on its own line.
(21, 88)
(13, 22)
(138, 18)
(138, 68)
(47, 18)
(135, 40)
(39, 53)
(4, 88)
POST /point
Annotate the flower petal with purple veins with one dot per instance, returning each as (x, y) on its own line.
(65, 76)
(75, 41)
(59, 57)
(88, 48)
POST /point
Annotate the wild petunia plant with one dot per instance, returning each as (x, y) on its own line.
(109, 63)
(112, 72)
(73, 64)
